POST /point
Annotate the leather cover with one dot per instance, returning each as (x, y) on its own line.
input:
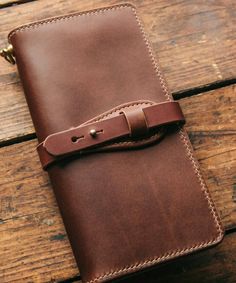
(124, 210)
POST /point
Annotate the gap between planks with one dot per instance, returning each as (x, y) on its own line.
(211, 126)
(184, 36)
(205, 114)
(188, 93)
(7, 3)
(176, 95)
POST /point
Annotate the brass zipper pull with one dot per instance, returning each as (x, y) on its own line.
(8, 54)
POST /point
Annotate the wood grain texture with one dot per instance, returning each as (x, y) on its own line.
(34, 248)
(9, 3)
(211, 124)
(33, 242)
(194, 41)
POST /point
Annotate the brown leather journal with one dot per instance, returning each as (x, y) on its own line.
(112, 140)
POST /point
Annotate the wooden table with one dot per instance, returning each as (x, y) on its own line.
(195, 41)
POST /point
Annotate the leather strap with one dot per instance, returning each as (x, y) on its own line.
(134, 123)
(137, 122)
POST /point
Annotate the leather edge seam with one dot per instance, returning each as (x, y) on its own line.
(189, 151)
(184, 140)
(33, 25)
(151, 262)
(190, 156)
(118, 108)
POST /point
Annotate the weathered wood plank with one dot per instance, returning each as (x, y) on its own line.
(34, 248)
(33, 245)
(8, 3)
(194, 40)
(33, 242)
(14, 114)
(211, 123)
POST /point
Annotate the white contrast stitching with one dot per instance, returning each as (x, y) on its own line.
(151, 56)
(148, 263)
(189, 153)
(196, 170)
(118, 108)
(65, 18)
(182, 134)
(183, 139)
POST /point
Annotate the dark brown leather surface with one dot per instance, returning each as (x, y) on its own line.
(123, 210)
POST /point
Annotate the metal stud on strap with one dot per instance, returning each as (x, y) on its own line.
(132, 124)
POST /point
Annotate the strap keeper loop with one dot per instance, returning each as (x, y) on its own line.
(137, 122)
